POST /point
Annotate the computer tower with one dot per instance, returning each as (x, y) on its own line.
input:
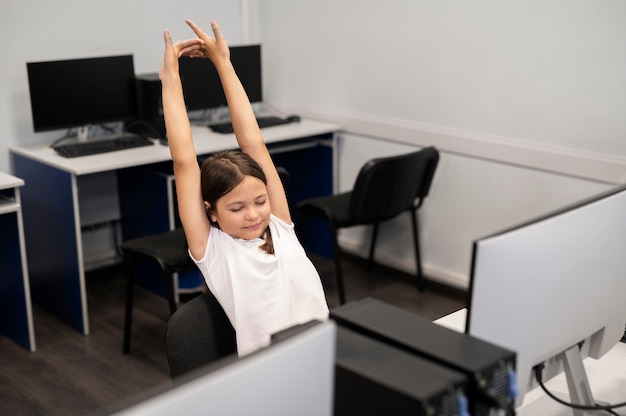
(149, 103)
(489, 369)
(374, 378)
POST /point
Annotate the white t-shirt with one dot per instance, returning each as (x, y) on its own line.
(262, 293)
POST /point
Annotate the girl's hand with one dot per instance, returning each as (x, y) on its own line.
(173, 51)
(214, 48)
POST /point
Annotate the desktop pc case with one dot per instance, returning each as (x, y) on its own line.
(149, 102)
(374, 378)
(489, 369)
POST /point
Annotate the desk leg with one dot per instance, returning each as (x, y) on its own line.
(53, 240)
(16, 321)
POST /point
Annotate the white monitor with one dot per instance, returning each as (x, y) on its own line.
(543, 287)
(292, 377)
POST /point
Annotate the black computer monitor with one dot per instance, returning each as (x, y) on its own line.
(553, 290)
(247, 63)
(80, 92)
(201, 84)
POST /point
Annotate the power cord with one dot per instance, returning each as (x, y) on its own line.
(538, 376)
(133, 124)
(69, 134)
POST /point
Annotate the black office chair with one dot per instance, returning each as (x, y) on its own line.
(169, 251)
(198, 333)
(384, 188)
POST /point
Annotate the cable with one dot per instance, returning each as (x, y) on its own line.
(538, 369)
(107, 128)
(68, 135)
(143, 123)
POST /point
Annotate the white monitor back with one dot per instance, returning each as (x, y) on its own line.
(292, 377)
(542, 287)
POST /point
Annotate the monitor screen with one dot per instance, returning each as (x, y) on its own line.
(546, 286)
(79, 92)
(201, 84)
(247, 63)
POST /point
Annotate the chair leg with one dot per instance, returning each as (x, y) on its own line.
(420, 276)
(128, 314)
(336, 254)
(168, 279)
(370, 258)
(338, 271)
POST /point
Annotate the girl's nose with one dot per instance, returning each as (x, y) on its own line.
(251, 214)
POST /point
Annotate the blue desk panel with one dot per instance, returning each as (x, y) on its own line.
(51, 243)
(14, 321)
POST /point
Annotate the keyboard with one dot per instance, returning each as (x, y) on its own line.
(268, 121)
(93, 147)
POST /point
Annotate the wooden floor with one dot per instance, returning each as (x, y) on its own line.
(74, 374)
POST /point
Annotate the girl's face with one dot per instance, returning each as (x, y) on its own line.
(244, 212)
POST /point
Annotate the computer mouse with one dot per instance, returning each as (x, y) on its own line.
(293, 118)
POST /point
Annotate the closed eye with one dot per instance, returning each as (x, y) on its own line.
(235, 207)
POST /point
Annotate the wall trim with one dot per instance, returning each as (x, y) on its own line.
(549, 158)
(395, 262)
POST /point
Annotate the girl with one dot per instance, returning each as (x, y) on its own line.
(234, 210)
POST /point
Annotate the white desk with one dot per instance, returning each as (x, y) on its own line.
(607, 378)
(52, 215)
(16, 319)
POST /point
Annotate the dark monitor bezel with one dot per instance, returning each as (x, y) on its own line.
(77, 92)
(201, 84)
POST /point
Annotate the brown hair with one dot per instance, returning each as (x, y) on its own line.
(221, 173)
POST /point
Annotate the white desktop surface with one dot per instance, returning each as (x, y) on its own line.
(9, 181)
(607, 378)
(205, 141)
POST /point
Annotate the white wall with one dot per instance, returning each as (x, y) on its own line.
(544, 71)
(37, 30)
(525, 100)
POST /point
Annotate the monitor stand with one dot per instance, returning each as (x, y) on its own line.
(577, 382)
(95, 132)
(82, 132)
(209, 116)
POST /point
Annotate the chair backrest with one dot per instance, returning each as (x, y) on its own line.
(284, 175)
(198, 333)
(388, 186)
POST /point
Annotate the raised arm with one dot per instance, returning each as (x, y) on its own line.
(244, 122)
(186, 168)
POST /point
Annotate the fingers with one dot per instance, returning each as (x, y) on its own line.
(193, 47)
(167, 38)
(216, 30)
(199, 32)
(189, 44)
